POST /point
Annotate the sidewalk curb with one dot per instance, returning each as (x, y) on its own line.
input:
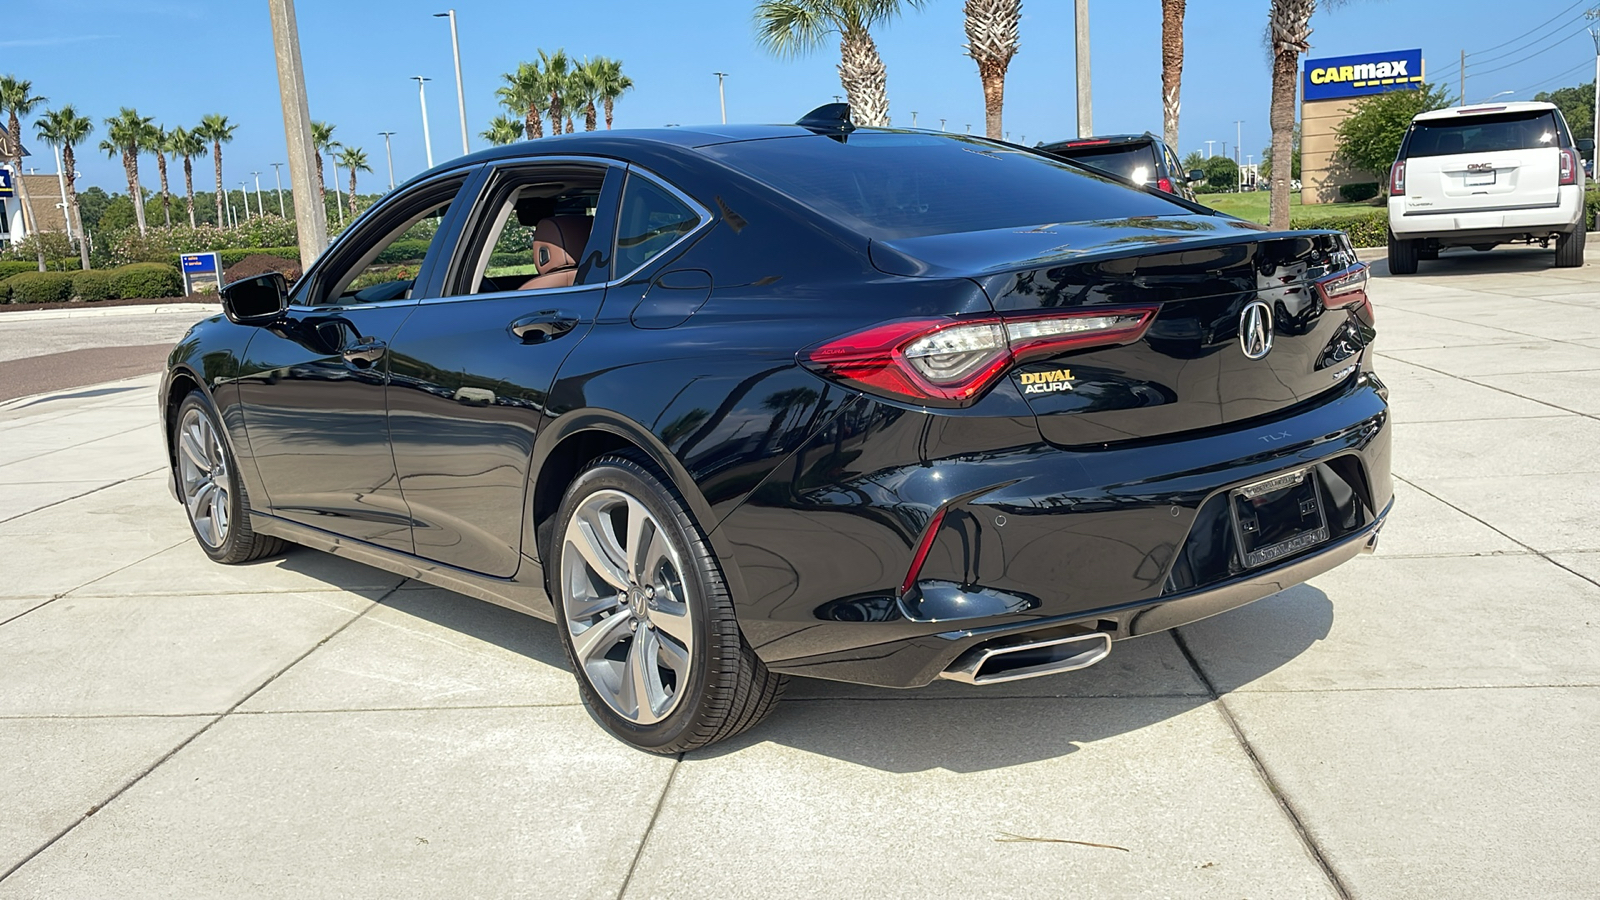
(152, 309)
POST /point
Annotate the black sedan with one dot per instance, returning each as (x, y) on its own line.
(734, 403)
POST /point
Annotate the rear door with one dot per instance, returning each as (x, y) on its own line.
(1483, 162)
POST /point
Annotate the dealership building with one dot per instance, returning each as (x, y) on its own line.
(1330, 89)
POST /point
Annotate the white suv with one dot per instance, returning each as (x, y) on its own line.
(1478, 176)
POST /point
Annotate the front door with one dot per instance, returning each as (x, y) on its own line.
(472, 367)
(312, 387)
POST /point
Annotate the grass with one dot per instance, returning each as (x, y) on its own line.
(1253, 205)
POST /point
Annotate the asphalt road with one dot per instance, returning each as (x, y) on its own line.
(51, 352)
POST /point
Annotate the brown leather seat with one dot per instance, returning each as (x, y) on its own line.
(557, 243)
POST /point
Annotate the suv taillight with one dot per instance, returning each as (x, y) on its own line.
(1569, 167)
(1164, 184)
(952, 361)
(1397, 180)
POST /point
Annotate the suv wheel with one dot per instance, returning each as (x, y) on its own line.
(1569, 247)
(1402, 256)
(646, 617)
(212, 495)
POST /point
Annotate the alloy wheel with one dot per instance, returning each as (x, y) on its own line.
(626, 606)
(206, 481)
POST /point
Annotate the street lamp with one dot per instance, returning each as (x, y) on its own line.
(244, 194)
(1501, 94)
(913, 118)
(260, 210)
(389, 155)
(721, 96)
(279, 176)
(338, 199)
(1238, 127)
(461, 97)
(941, 124)
(422, 96)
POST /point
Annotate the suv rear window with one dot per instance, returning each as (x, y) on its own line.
(1135, 162)
(1529, 130)
(889, 186)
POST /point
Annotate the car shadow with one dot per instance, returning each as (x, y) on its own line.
(947, 725)
(1459, 261)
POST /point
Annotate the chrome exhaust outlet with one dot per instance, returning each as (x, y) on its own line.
(1371, 545)
(1016, 658)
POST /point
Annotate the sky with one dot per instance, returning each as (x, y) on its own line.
(177, 60)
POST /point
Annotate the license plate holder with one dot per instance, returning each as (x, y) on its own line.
(1480, 177)
(1277, 517)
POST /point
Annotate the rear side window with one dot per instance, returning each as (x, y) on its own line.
(650, 221)
(1135, 162)
(890, 186)
(1531, 130)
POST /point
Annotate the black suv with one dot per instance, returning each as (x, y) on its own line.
(1140, 158)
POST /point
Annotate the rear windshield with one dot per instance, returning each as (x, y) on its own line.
(889, 186)
(1530, 130)
(1135, 162)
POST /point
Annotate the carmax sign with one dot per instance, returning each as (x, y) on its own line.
(1338, 77)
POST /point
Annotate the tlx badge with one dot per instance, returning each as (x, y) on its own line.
(1046, 382)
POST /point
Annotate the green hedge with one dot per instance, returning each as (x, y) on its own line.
(94, 285)
(233, 255)
(12, 267)
(147, 280)
(1356, 193)
(403, 252)
(1366, 230)
(1591, 202)
(39, 287)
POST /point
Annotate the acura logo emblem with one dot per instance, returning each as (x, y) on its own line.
(1255, 330)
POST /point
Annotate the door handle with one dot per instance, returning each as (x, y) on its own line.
(543, 326)
(364, 354)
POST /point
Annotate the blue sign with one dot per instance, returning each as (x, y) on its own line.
(5, 183)
(1339, 77)
(199, 262)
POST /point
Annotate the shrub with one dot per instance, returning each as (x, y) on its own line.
(1365, 230)
(94, 285)
(40, 287)
(403, 251)
(10, 267)
(1355, 193)
(1591, 202)
(147, 280)
(234, 255)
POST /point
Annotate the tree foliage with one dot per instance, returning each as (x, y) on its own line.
(1294, 158)
(1222, 173)
(1369, 140)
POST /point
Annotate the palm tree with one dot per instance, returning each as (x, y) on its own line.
(613, 84)
(216, 128)
(185, 144)
(157, 144)
(128, 133)
(64, 128)
(18, 99)
(503, 130)
(353, 159)
(523, 94)
(790, 28)
(992, 36)
(586, 90)
(1288, 31)
(322, 139)
(1171, 67)
(556, 78)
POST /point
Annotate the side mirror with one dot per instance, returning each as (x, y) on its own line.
(1197, 175)
(256, 301)
(1585, 145)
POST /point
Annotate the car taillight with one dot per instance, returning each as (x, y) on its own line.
(921, 556)
(1346, 288)
(1397, 180)
(1569, 167)
(952, 361)
(1164, 184)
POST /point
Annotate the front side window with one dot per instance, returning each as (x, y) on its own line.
(382, 260)
(651, 220)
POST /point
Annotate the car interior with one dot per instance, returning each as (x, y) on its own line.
(537, 236)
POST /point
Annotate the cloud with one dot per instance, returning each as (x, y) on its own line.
(53, 41)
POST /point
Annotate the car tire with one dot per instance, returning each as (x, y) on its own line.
(214, 498)
(1402, 256)
(1569, 247)
(640, 601)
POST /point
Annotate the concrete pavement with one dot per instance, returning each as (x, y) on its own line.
(1419, 723)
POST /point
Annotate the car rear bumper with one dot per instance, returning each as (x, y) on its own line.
(1470, 227)
(1040, 542)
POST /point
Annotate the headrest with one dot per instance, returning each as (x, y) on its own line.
(558, 241)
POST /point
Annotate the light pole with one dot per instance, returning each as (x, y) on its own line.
(244, 194)
(1501, 94)
(389, 155)
(461, 97)
(941, 124)
(61, 178)
(422, 95)
(1208, 148)
(1085, 101)
(722, 97)
(913, 118)
(260, 210)
(279, 176)
(338, 199)
(1238, 128)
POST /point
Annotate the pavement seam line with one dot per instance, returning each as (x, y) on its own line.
(1492, 387)
(69, 591)
(1537, 337)
(185, 742)
(1300, 829)
(644, 839)
(1529, 547)
(78, 496)
(81, 445)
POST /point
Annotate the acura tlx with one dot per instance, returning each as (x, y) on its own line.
(733, 403)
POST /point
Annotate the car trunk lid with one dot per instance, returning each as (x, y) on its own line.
(1221, 287)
